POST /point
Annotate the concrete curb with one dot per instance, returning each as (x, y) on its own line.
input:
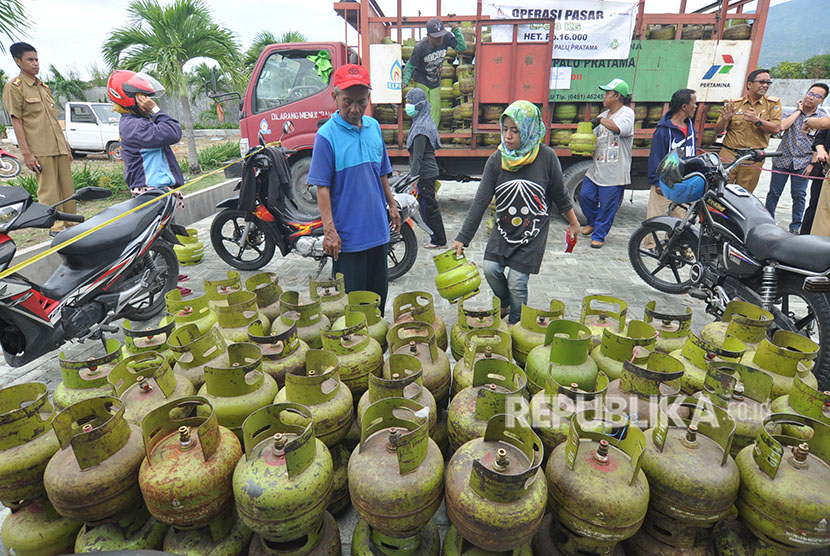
(197, 206)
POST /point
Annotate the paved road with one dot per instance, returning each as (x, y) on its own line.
(567, 277)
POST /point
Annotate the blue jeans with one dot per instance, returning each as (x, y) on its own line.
(599, 204)
(798, 190)
(511, 290)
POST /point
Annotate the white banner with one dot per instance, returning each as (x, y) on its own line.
(585, 29)
(386, 73)
(718, 69)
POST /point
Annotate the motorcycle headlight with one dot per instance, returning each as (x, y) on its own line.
(9, 214)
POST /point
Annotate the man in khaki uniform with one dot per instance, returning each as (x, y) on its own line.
(749, 121)
(39, 135)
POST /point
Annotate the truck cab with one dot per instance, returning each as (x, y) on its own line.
(92, 127)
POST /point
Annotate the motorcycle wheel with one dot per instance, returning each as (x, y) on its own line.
(403, 249)
(225, 234)
(9, 167)
(663, 271)
(149, 304)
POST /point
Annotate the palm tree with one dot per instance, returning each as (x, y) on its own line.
(13, 20)
(292, 36)
(69, 87)
(203, 73)
(165, 38)
(263, 39)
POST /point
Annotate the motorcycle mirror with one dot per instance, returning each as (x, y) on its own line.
(260, 138)
(91, 193)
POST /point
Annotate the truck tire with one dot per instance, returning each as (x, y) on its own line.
(573, 176)
(304, 195)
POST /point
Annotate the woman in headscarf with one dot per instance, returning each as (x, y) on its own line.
(422, 141)
(526, 178)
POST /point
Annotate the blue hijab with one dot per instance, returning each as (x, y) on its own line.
(422, 123)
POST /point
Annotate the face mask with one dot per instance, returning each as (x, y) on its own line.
(410, 110)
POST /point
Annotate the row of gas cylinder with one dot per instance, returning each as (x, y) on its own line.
(286, 393)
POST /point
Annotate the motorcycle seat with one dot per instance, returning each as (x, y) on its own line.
(105, 245)
(769, 242)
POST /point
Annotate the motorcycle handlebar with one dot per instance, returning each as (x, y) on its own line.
(68, 217)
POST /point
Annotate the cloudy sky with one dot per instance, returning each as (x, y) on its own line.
(69, 33)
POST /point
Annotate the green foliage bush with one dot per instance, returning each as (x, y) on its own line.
(214, 155)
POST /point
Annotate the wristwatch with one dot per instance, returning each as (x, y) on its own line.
(758, 123)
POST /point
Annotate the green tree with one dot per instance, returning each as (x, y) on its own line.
(817, 67)
(98, 75)
(14, 21)
(68, 87)
(788, 70)
(202, 74)
(263, 39)
(165, 38)
(292, 36)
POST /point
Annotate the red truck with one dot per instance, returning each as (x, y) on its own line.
(709, 50)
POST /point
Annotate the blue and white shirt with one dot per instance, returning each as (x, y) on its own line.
(350, 162)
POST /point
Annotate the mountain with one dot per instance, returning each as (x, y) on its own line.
(795, 31)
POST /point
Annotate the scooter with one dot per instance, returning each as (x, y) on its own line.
(264, 216)
(9, 164)
(121, 271)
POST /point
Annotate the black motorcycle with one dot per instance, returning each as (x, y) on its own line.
(728, 246)
(264, 216)
(120, 271)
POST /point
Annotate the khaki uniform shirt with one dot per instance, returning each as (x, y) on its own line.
(31, 101)
(741, 134)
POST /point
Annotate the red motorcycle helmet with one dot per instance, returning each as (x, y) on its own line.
(123, 85)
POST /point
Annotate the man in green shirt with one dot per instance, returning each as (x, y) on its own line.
(424, 66)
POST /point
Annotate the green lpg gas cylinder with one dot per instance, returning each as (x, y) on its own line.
(369, 542)
(283, 482)
(401, 378)
(340, 479)
(331, 294)
(137, 530)
(191, 249)
(186, 477)
(233, 320)
(496, 383)
(150, 339)
(94, 476)
(323, 539)
(495, 487)
(266, 287)
(672, 328)
(225, 536)
(457, 278)
(529, 332)
(785, 356)
(804, 400)
(696, 355)
(563, 356)
(84, 379)
(396, 474)
(476, 313)
(307, 316)
(36, 529)
(367, 303)
(551, 409)
(317, 386)
(637, 392)
(482, 343)
(27, 441)
(583, 142)
(600, 312)
(237, 389)
(194, 350)
(745, 393)
(218, 290)
(358, 354)
(419, 306)
(456, 545)
(418, 339)
(282, 353)
(693, 481)
(564, 112)
(598, 492)
(634, 345)
(196, 310)
(745, 321)
(144, 382)
(731, 537)
(784, 497)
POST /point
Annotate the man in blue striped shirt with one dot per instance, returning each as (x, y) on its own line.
(349, 167)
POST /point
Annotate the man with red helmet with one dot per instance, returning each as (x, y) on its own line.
(41, 140)
(146, 132)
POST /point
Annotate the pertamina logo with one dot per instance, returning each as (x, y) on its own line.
(720, 69)
(395, 74)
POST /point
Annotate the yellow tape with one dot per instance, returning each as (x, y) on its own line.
(40, 256)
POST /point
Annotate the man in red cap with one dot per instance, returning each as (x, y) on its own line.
(349, 167)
